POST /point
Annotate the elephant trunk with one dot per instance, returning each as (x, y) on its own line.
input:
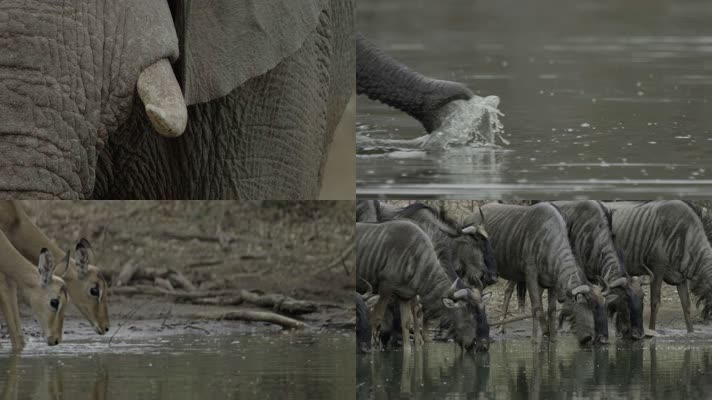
(382, 78)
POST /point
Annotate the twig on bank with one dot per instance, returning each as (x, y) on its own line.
(127, 320)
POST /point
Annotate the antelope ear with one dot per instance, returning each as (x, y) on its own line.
(449, 303)
(224, 43)
(46, 267)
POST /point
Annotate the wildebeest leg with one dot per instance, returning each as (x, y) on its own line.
(655, 288)
(685, 302)
(406, 318)
(376, 316)
(545, 321)
(507, 297)
(551, 313)
(417, 322)
(537, 315)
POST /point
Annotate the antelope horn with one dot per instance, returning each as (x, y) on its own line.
(649, 271)
(454, 285)
(482, 215)
(580, 289)
(618, 282)
(161, 95)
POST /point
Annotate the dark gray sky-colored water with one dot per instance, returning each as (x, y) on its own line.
(602, 98)
(518, 369)
(269, 366)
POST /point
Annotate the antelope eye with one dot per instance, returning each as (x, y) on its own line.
(94, 291)
(54, 303)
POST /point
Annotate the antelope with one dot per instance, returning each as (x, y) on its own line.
(46, 293)
(87, 288)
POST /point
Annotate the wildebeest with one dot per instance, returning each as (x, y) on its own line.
(590, 226)
(668, 238)
(467, 250)
(398, 260)
(531, 245)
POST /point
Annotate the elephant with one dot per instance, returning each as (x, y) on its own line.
(171, 99)
(380, 77)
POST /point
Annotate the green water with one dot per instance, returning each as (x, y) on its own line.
(678, 368)
(273, 366)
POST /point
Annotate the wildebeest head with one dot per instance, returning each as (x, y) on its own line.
(628, 306)
(585, 309)
(467, 317)
(482, 252)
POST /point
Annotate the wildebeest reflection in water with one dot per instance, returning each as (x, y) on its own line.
(549, 370)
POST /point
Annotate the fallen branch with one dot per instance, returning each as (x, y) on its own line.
(253, 316)
(339, 260)
(279, 302)
(513, 319)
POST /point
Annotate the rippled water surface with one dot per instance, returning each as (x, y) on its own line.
(653, 369)
(606, 98)
(273, 366)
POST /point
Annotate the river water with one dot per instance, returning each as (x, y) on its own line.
(271, 366)
(608, 99)
(517, 369)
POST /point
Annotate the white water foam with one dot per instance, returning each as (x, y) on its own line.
(467, 123)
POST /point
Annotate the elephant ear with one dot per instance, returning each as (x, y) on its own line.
(224, 43)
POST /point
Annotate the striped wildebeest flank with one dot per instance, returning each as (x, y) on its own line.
(467, 250)
(590, 226)
(668, 239)
(398, 260)
(531, 245)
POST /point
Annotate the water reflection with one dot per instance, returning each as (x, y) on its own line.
(176, 368)
(518, 369)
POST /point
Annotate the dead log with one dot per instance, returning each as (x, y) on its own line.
(218, 301)
(279, 303)
(178, 280)
(163, 284)
(126, 274)
(252, 316)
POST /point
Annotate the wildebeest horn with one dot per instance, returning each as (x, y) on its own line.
(482, 215)
(160, 93)
(454, 285)
(461, 294)
(649, 271)
(469, 229)
(618, 282)
(369, 292)
(478, 283)
(580, 289)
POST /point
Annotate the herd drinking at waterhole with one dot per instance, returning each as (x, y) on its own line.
(418, 268)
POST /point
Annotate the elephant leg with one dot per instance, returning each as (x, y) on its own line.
(505, 306)
(685, 302)
(382, 78)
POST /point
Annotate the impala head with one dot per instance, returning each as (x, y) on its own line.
(49, 299)
(89, 292)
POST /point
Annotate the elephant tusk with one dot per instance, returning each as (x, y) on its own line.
(161, 95)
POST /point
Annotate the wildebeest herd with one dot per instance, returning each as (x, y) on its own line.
(419, 268)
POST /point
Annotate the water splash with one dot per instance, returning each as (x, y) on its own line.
(466, 123)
